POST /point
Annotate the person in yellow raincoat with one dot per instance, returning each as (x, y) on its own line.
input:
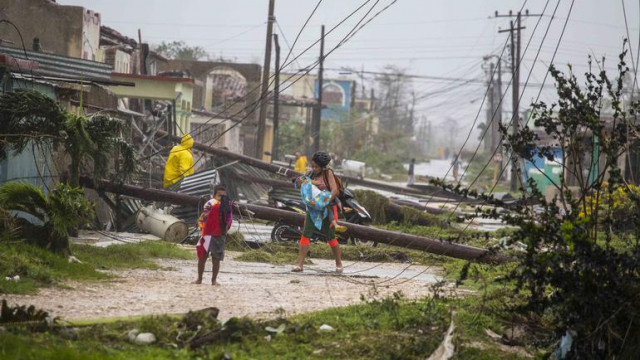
(179, 164)
(301, 163)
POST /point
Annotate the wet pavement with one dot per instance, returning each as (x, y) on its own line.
(257, 290)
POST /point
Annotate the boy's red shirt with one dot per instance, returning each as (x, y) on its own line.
(214, 225)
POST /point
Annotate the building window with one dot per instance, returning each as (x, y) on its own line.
(333, 94)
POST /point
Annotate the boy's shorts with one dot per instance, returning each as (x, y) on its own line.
(216, 247)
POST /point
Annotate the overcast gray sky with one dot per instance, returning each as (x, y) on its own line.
(434, 37)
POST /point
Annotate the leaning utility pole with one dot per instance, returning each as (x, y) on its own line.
(494, 115)
(489, 142)
(317, 113)
(264, 99)
(498, 110)
(276, 102)
(515, 72)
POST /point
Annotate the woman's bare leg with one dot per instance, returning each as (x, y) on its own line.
(337, 254)
(302, 254)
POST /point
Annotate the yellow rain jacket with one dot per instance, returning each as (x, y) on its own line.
(180, 162)
(301, 164)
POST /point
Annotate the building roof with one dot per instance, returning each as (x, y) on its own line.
(154, 77)
(109, 36)
(59, 66)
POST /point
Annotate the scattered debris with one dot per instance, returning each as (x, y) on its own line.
(73, 259)
(446, 349)
(493, 335)
(145, 339)
(326, 328)
(277, 331)
(21, 314)
(160, 223)
(132, 334)
(566, 342)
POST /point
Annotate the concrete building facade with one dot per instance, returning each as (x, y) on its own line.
(174, 89)
(62, 30)
(230, 90)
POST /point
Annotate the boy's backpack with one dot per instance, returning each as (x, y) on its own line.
(226, 212)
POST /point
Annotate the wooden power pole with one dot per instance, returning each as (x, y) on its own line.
(515, 33)
(276, 101)
(317, 113)
(264, 98)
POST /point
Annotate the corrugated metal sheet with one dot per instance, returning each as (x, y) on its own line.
(63, 66)
(198, 184)
(230, 174)
(284, 194)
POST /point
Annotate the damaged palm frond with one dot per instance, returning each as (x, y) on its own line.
(64, 208)
(68, 208)
(31, 115)
(16, 196)
(27, 115)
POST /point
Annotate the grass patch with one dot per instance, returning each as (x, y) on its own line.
(235, 242)
(380, 328)
(284, 253)
(39, 267)
(287, 253)
(130, 256)
(403, 329)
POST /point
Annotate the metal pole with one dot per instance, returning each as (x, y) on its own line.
(427, 190)
(514, 104)
(498, 120)
(490, 141)
(276, 102)
(262, 116)
(315, 125)
(432, 245)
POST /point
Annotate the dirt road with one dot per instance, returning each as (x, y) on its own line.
(252, 289)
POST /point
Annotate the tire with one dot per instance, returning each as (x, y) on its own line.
(283, 233)
(358, 241)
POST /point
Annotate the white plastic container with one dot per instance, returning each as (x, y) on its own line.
(160, 224)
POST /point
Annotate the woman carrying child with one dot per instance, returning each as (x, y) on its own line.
(323, 178)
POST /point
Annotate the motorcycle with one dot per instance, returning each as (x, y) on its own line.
(353, 212)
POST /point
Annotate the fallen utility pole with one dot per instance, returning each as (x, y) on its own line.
(394, 204)
(266, 213)
(423, 190)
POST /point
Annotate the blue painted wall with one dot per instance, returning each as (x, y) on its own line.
(336, 97)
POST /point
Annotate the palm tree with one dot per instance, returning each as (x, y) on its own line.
(49, 218)
(29, 116)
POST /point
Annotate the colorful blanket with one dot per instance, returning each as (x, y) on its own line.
(316, 202)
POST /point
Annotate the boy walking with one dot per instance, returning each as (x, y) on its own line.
(218, 221)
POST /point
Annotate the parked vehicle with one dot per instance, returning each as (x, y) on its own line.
(354, 168)
(353, 213)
